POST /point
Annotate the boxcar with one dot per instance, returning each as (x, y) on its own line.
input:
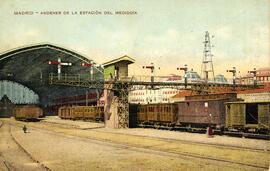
(65, 112)
(27, 112)
(204, 110)
(82, 112)
(157, 114)
(248, 116)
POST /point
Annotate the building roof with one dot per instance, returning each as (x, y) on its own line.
(261, 72)
(264, 89)
(220, 78)
(174, 77)
(204, 100)
(221, 90)
(192, 75)
(184, 94)
(243, 102)
(124, 58)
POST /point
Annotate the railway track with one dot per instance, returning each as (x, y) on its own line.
(217, 132)
(198, 143)
(162, 152)
(182, 154)
(4, 163)
(234, 147)
(26, 152)
(9, 166)
(183, 129)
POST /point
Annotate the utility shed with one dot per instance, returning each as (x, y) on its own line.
(117, 68)
(6, 107)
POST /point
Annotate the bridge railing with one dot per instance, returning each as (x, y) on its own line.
(135, 78)
(72, 78)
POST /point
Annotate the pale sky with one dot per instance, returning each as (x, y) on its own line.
(168, 33)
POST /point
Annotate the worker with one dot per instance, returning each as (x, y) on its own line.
(24, 129)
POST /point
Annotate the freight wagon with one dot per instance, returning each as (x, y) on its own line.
(157, 114)
(202, 113)
(95, 113)
(199, 111)
(27, 112)
(248, 116)
(65, 112)
(204, 110)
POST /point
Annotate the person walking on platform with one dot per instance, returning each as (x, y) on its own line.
(24, 129)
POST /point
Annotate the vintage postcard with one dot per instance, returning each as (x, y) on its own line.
(134, 85)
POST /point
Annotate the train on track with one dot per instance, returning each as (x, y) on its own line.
(231, 116)
(27, 112)
(223, 112)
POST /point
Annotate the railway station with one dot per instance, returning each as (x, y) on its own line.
(125, 86)
(60, 90)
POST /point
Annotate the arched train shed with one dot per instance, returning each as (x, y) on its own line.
(29, 67)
